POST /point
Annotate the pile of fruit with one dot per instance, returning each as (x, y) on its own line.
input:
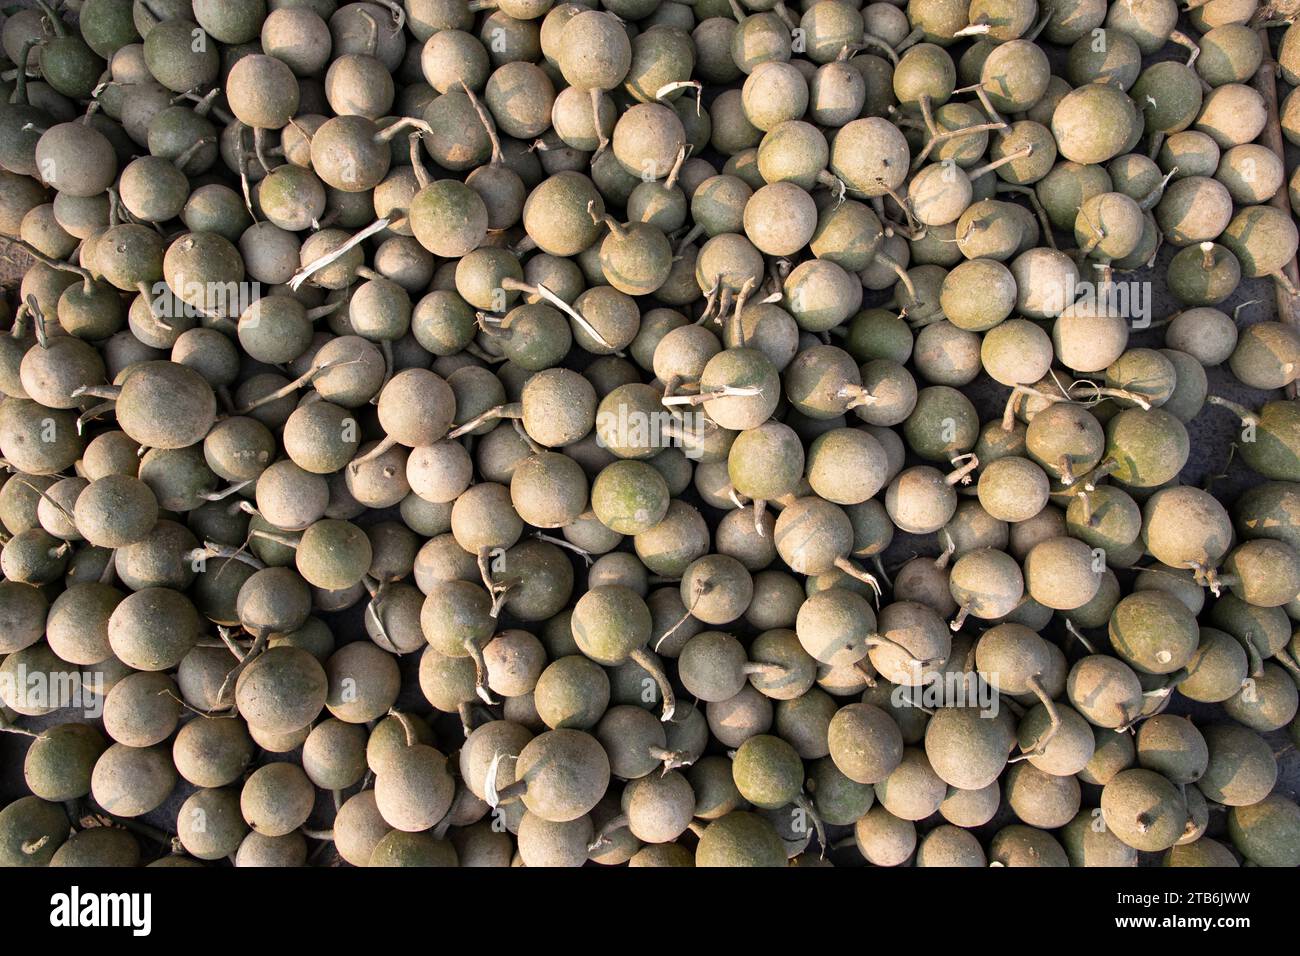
(719, 433)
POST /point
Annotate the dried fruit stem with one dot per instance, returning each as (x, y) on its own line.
(646, 662)
(509, 410)
(307, 271)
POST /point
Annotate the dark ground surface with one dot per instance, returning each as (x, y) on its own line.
(1212, 434)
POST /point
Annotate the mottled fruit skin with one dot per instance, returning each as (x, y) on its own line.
(865, 743)
(870, 156)
(1241, 768)
(32, 830)
(884, 839)
(740, 838)
(1150, 447)
(1092, 124)
(610, 622)
(282, 690)
(966, 748)
(1144, 810)
(1267, 833)
(1154, 632)
(767, 771)
(1275, 452)
(565, 773)
(448, 218)
(414, 791)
